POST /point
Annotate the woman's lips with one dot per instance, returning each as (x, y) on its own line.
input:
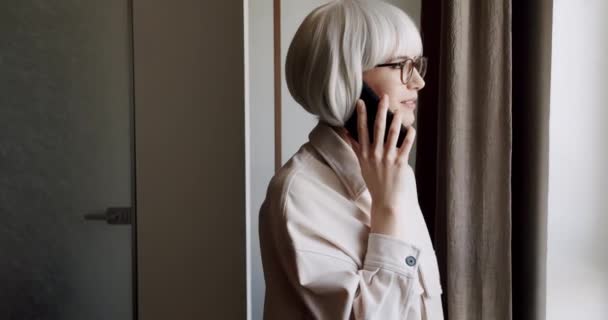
(411, 104)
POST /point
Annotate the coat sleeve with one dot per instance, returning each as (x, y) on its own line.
(333, 286)
(385, 287)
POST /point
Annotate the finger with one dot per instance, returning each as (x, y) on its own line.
(380, 125)
(393, 133)
(362, 127)
(408, 142)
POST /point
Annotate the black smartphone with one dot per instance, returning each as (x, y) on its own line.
(371, 100)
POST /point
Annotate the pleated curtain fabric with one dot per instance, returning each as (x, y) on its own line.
(482, 153)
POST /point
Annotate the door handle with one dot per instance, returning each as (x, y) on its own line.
(112, 215)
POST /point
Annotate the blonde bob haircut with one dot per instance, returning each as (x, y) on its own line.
(332, 47)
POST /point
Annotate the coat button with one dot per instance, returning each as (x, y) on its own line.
(410, 261)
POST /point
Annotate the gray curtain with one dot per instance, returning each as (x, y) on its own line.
(482, 153)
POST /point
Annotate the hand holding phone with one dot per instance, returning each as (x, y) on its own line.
(371, 100)
(385, 169)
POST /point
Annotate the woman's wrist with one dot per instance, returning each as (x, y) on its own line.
(385, 210)
(387, 221)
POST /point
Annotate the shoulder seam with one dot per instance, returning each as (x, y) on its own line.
(289, 179)
(282, 204)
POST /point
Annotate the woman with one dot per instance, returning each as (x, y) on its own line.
(341, 232)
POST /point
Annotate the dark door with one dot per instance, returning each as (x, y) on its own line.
(66, 160)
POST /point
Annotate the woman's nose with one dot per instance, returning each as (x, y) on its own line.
(416, 82)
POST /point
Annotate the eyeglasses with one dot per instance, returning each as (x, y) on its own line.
(407, 67)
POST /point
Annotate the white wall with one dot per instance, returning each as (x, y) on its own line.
(260, 135)
(296, 122)
(577, 267)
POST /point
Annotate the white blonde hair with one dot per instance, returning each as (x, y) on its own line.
(332, 47)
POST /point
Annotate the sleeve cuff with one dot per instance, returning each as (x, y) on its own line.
(390, 253)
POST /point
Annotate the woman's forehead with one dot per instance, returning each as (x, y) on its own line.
(405, 56)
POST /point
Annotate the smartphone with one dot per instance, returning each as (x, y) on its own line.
(371, 100)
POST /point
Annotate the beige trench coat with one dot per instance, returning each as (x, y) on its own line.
(319, 258)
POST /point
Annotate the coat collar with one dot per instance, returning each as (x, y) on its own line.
(340, 157)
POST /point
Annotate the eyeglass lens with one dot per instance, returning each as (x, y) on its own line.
(408, 71)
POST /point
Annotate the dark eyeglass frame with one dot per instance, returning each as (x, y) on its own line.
(419, 63)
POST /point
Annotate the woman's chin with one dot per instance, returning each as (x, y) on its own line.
(408, 121)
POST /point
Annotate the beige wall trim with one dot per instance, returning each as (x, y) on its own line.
(277, 83)
(190, 165)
